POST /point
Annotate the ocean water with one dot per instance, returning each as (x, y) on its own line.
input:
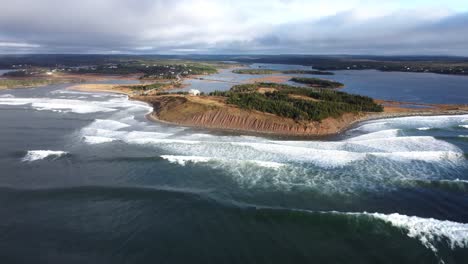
(85, 178)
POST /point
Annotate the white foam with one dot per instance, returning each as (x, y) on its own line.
(389, 133)
(424, 128)
(452, 181)
(464, 126)
(158, 141)
(68, 105)
(268, 164)
(401, 144)
(97, 140)
(429, 231)
(428, 156)
(7, 96)
(107, 125)
(323, 158)
(183, 160)
(401, 149)
(34, 155)
(413, 122)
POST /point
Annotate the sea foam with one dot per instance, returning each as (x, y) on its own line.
(183, 160)
(34, 155)
(97, 140)
(429, 231)
(64, 105)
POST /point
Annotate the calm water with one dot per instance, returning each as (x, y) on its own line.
(399, 86)
(85, 178)
(3, 71)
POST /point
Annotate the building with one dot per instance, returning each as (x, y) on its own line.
(194, 92)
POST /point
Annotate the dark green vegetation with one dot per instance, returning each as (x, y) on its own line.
(441, 65)
(434, 64)
(300, 104)
(315, 82)
(147, 87)
(269, 71)
(255, 71)
(308, 72)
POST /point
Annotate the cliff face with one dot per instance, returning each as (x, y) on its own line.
(198, 112)
(255, 122)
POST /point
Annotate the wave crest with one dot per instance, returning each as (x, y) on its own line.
(34, 155)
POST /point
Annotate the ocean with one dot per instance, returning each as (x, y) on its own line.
(86, 178)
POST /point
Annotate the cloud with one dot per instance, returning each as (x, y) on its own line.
(225, 26)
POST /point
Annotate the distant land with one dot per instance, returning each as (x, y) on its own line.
(434, 64)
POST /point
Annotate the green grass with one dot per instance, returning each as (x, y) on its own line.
(25, 83)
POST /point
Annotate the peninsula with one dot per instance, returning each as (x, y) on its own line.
(273, 109)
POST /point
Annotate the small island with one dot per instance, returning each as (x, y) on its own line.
(269, 71)
(311, 72)
(316, 82)
(256, 71)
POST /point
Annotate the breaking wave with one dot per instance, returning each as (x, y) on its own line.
(34, 155)
(97, 140)
(379, 155)
(183, 160)
(430, 231)
(75, 105)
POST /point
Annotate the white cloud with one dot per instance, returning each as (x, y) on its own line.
(18, 45)
(286, 26)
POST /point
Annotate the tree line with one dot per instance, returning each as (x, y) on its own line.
(325, 103)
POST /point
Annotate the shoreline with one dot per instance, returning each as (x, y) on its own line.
(372, 117)
(326, 128)
(393, 109)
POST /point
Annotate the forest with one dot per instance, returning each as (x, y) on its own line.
(300, 104)
(316, 82)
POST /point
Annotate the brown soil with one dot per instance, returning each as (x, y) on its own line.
(270, 79)
(103, 88)
(213, 113)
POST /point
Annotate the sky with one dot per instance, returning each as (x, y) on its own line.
(376, 27)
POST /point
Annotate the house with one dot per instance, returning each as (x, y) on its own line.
(194, 92)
